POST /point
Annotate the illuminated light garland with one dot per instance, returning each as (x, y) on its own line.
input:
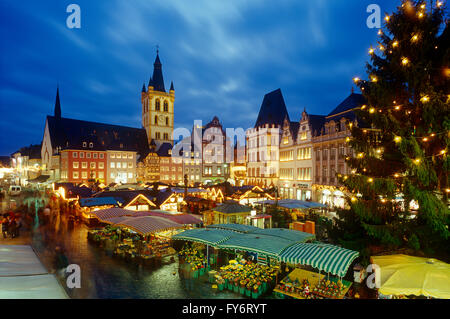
(425, 99)
(405, 61)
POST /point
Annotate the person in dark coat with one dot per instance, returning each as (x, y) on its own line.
(12, 228)
(5, 226)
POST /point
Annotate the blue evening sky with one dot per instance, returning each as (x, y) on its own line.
(222, 56)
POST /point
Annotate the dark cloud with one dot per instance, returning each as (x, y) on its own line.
(223, 56)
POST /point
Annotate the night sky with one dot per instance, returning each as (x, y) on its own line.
(222, 56)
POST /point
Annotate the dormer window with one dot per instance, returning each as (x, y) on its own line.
(121, 145)
(91, 145)
(166, 106)
(157, 105)
(84, 144)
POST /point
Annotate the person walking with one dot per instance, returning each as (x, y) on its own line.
(18, 224)
(5, 225)
(12, 227)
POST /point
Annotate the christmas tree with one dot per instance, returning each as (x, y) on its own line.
(400, 165)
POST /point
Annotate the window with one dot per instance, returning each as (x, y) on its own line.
(84, 165)
(287, 156)
(157, 105)
(84, 175)
(75, 154)
(93, 175)
(118, 155)
(130, 175)
(75, 175)
(84, 144)
(91, 145)
(130, 155)
(112, 175)
(167, 121)
(101, 175)
(113, 165)
(92, 164)
(94, 155)
(156, 119)
(88, 155)
(81, 154)
(219, 171)
(124, 165)
(75, 165)
(166, 106)
(101, 155)
(304, 136)
(158, 135)
(130, 165)
(101, 165)
(304, 174)
(287, 173)
(112, 155)
(118, 165)
(166, 136)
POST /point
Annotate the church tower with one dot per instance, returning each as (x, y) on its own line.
(158, 107)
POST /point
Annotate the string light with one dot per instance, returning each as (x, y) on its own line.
(371, 51)
(380, 32)
(374, 79)
(425, 99)
(415, 38)
(356, 79)
(371, 110)
(405, 61)
(360, 155)
(397, 139)
(383, 200)
(370, 180)
(396, 175)
(417, 161)
(387, 18)
(420, 14)
(354, 199)
(425, 139)
(395, 44)
(443, 152)
(363, 107)
(381, 47)
(439, 4)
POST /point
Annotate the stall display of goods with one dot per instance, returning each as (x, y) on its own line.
(303, 284)
(194, 259)
(129, 245)
(247, 278)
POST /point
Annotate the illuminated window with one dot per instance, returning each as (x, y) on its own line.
(94, 155)
(113, 165)
(157, 105)
(304, 136)
(88, 155)
(92, 164)
(81, 154)
(130, 175)
(75, 175)
(118, 155)
(166, 106)
(112, 155)
(84, 144)
(130, 155)
(84, 175)
(101, 175)
(75, 154)
(118, 165)
(84, 165)
(75, 165)
(101, 165)
(91, 145)
(130, 165)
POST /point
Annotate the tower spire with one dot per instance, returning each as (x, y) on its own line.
(157, 78)
(57, 112)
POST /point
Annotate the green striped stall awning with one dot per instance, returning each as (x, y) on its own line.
(325, 257)
(206, 236)
(294, 235)
(235, 227)
(258, 243)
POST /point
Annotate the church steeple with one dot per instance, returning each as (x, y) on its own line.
(57, 112)
(157, 78)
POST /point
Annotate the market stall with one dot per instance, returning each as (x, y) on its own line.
(402, 275)
(303, 284)
(139, 239)
(247, 278)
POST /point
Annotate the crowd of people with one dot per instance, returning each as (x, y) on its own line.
(11, 225)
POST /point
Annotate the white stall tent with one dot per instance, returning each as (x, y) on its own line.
(22, 275)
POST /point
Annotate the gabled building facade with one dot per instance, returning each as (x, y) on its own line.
(330, 151)
(263, 141)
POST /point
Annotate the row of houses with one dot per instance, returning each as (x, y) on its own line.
(300, 158)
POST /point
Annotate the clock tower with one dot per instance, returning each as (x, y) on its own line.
(158, 107)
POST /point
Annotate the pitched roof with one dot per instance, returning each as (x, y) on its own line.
(32, 151)
(126, 196)
(294, 126)
(273, 109)
(70, 133)
(316, 122)
(157, 78)
(163, 150)
(352, 101)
